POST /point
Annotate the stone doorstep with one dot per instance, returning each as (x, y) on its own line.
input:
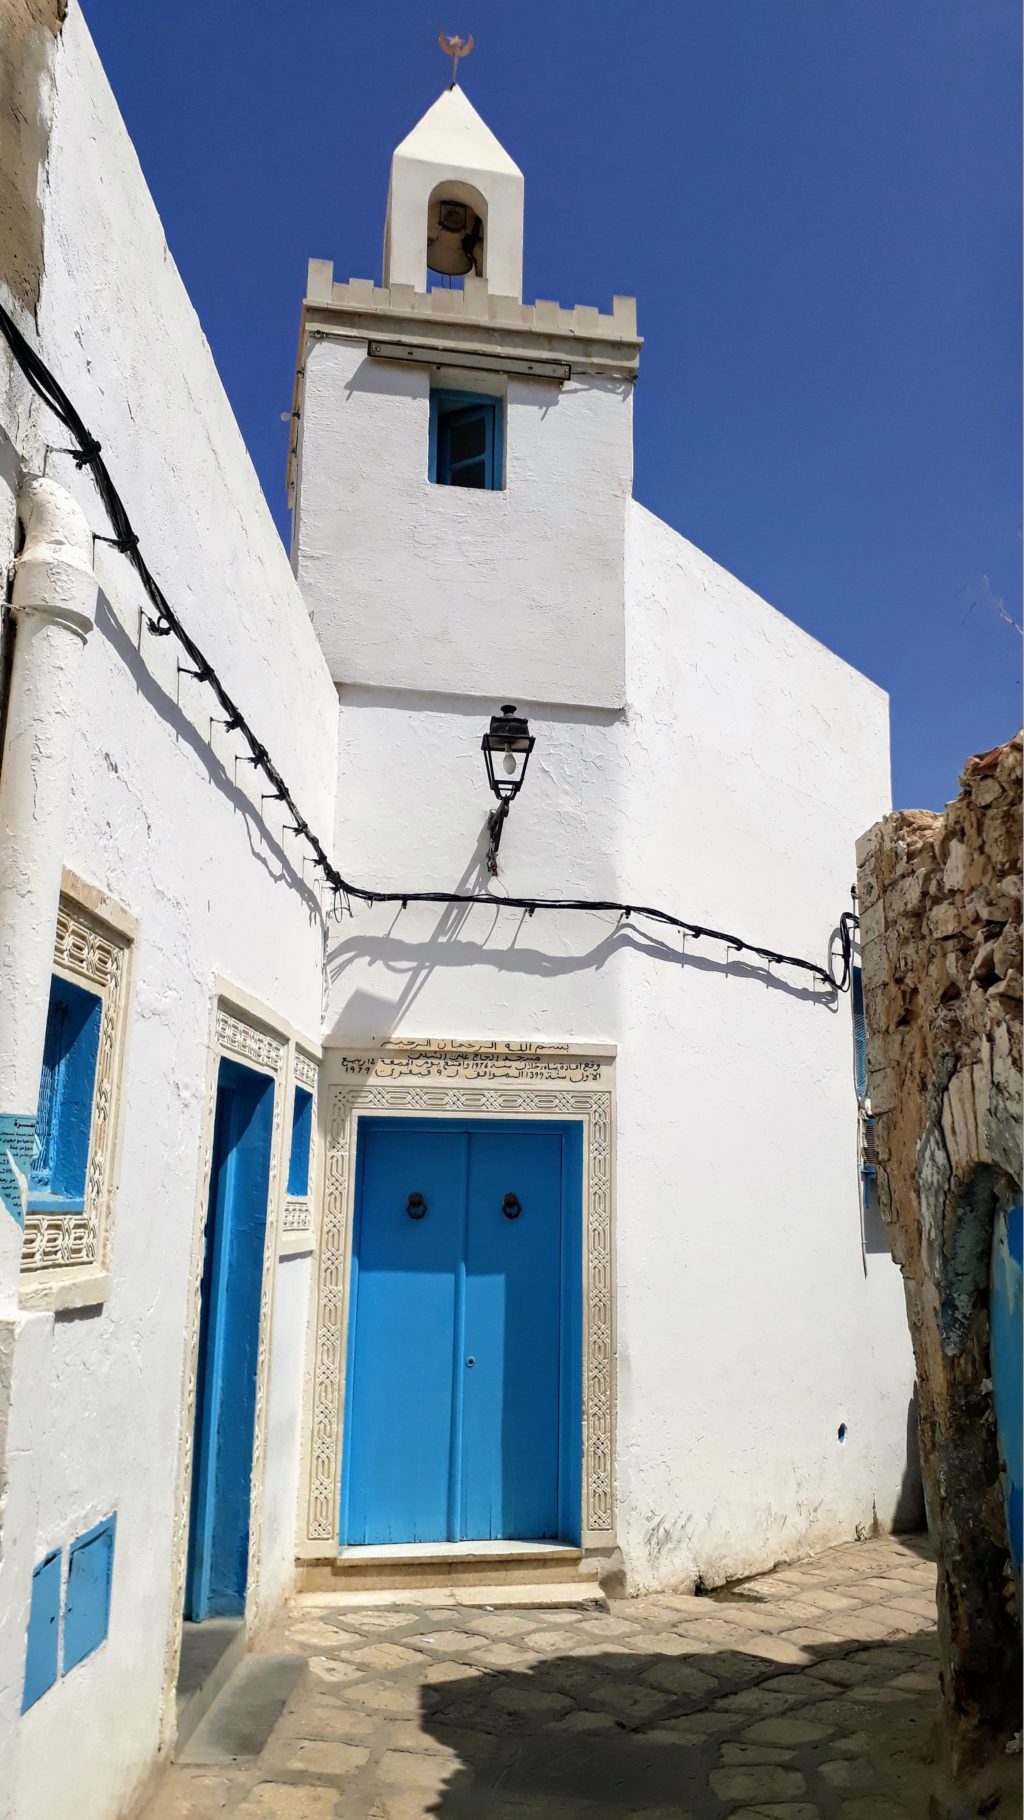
(216, 1649)
(575, 1595)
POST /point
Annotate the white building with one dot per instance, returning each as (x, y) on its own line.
(745, 1375)
(546, 1234)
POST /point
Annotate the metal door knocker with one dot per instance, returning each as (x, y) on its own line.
(416, 1207)
(511, 1207)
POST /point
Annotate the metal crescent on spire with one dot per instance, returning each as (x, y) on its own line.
(455, 47)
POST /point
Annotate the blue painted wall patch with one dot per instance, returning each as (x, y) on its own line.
(43, 1630)
(87, 1600)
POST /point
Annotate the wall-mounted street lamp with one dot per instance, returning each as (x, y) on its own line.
(506, 747)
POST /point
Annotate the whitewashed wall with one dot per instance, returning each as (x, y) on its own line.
(731, 791)
(448, 562)
(165, 824)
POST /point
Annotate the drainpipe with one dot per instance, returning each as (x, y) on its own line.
(53, 612)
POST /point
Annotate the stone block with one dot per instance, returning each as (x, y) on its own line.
(954, 877)
(787, 1730)
(872, 923)
(908, 894)
(283, 1800)
(411, 1769)
(546, 314)
(868, 844)
(760, 1783)
(1007, 953)
(327, 1757)
(319, 280)
(946, 919)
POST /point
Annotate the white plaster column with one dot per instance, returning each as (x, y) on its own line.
(54, 608)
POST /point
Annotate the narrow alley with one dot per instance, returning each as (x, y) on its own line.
(807, 1692)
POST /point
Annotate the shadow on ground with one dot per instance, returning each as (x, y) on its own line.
(617, 1732)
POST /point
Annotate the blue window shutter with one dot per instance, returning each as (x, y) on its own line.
(466, 441)
(87, 1601)
(43, 1630)
(435, 398)
(302, 1134)
(66, 1089)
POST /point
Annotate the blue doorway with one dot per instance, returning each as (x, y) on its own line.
(218, 1544)
(463, 1401)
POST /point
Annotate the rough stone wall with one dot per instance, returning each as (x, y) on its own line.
(940, 898)
(27, 32)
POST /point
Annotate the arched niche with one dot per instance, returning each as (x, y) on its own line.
(456, 229)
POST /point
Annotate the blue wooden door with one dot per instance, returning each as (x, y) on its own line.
(462, 1402)
(512, 1330)
(403, 1307)
(229, 1344)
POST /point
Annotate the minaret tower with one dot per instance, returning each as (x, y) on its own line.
(462, 461)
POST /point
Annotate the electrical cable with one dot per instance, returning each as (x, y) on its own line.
(88, 454)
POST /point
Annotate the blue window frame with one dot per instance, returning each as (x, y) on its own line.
(66, 1089)
(87, 1600)
(302, 1134)
(466, 441)
(43, 1630)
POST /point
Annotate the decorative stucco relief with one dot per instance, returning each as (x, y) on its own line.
(298, 1209)
(260, 1048)
(87, 950)
(498, 1080)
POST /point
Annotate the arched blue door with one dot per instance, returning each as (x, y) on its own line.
(463, 1385)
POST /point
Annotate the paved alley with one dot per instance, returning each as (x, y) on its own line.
(808, 1692)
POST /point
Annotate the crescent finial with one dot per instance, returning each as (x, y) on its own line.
(455, 48)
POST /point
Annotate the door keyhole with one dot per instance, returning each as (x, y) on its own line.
(511, 1207)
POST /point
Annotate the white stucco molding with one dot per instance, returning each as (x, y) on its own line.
(446, 1078)
(93, 946)
(297, 1220)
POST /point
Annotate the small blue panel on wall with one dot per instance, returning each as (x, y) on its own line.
(87, 1603)
(302, 1133)
(43, 1630)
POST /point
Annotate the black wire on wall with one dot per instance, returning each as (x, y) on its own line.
(164, 622)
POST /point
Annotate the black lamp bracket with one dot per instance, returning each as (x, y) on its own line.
(495, 824)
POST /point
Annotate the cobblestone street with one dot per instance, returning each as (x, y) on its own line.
(808, 1692)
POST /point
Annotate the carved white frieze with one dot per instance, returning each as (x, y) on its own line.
(89, 951)
(498, 1080)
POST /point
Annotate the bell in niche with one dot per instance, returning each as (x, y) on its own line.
(455, 240)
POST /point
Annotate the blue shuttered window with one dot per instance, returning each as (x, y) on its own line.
(466, 441)
(64, 1112)
(302, 1133)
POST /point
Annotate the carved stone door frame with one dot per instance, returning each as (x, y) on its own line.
(247, 1032)
(446, 1079)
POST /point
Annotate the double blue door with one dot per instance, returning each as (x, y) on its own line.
(463, 1399)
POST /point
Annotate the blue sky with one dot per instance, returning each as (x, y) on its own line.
(816, 203)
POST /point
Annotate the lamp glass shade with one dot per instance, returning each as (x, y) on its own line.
(507, 737)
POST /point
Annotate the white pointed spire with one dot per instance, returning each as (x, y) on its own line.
(451, 153)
